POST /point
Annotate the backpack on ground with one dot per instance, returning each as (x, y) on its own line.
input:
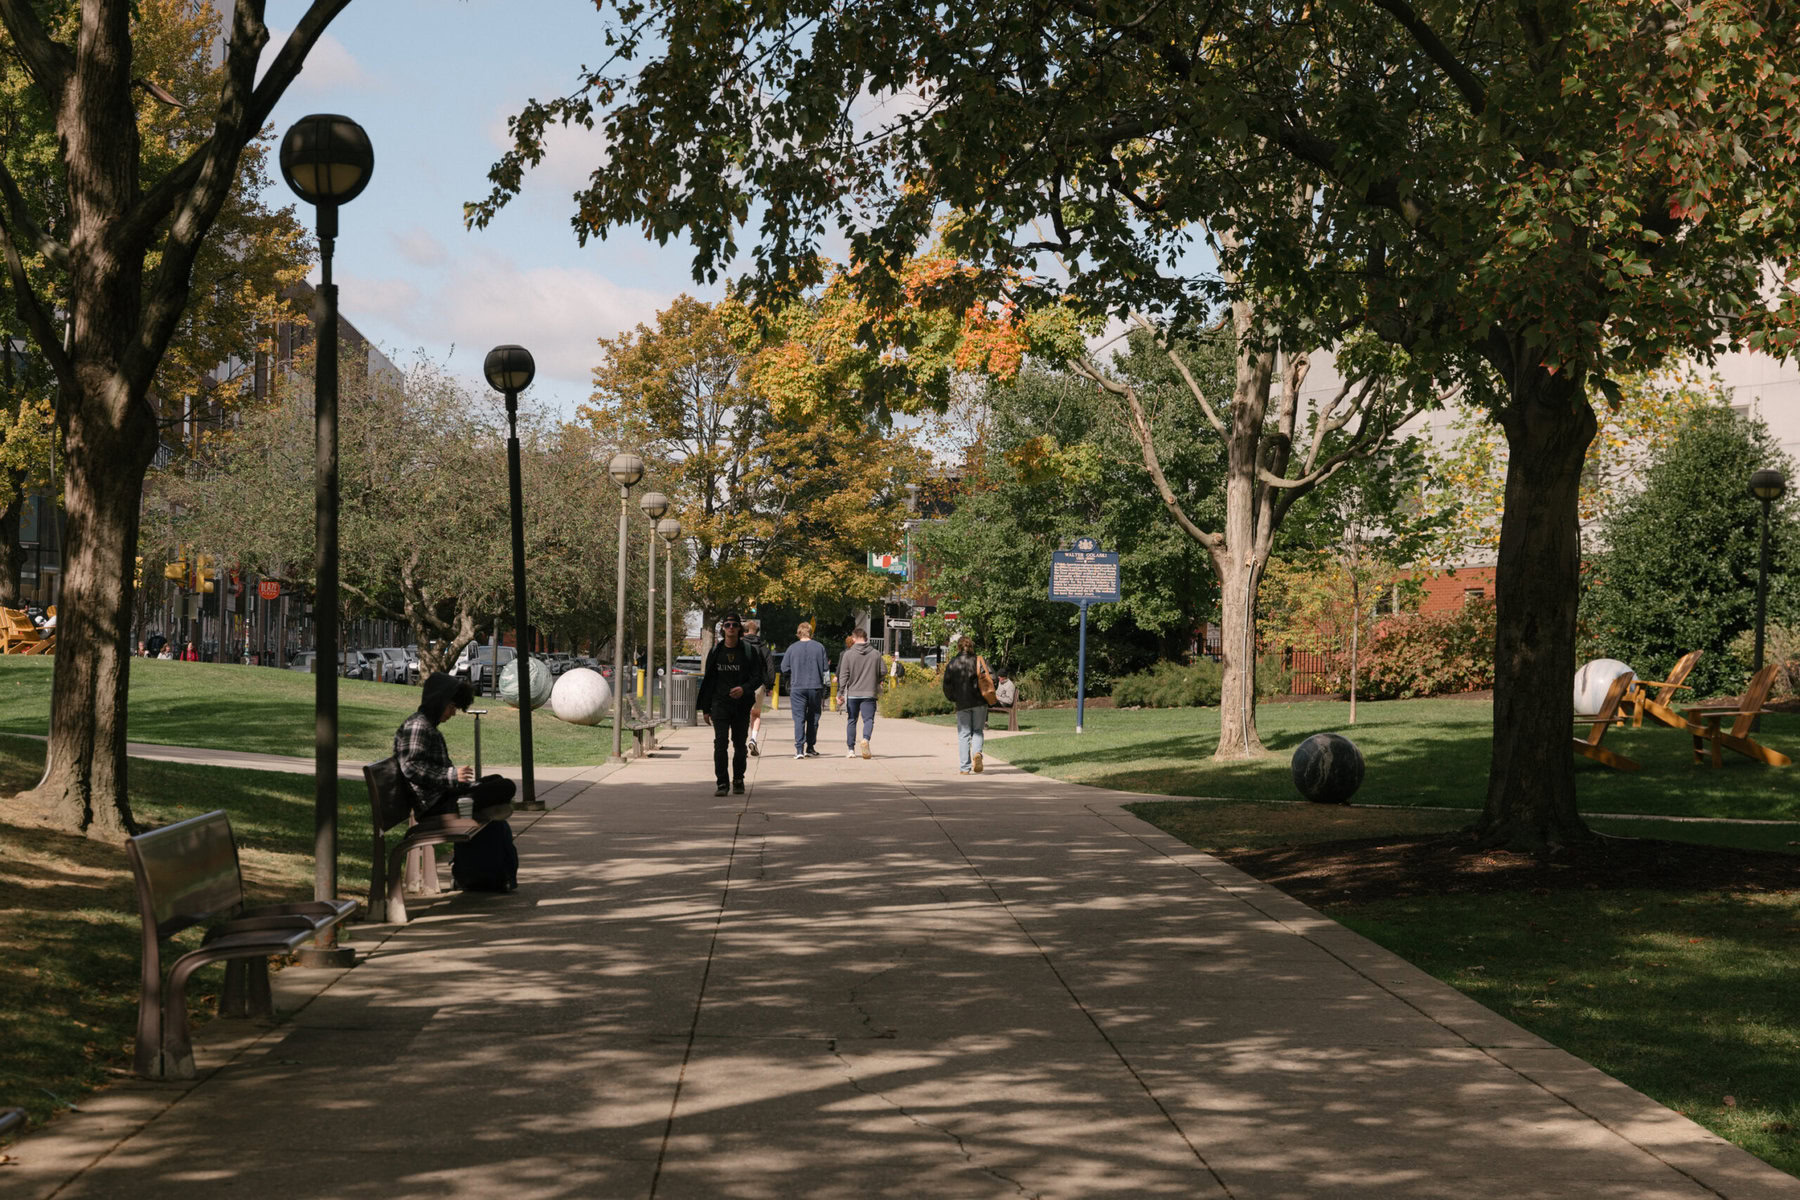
(487, 862)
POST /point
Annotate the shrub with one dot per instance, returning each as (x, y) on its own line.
(1170, 685)
(1430, 654)
(919, 694)
(1781, 644)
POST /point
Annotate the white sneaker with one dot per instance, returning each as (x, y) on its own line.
(798, 757)
(975, 761)
(862, 745)
(849, 754)
(754, 752)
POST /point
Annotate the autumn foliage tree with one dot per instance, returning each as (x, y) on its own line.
(770, 434)
(103, 290)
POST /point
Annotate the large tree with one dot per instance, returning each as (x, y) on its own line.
(783, 482)
(1528, 199)
(424, 508)
(121, 264)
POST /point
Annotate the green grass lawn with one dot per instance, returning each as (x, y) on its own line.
(267, 711)
(69, 930)
(1691, 997)
(1424, 753)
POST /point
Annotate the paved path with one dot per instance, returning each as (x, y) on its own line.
(874, 979)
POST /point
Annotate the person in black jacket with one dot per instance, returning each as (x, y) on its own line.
(734, 670)
(969, 685)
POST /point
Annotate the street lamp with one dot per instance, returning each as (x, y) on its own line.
(626, 469)
(654, 504)
(509, 370)
(1767, 485)
(670, 529)
(326, 160)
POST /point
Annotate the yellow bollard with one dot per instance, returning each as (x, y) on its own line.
(775, 694)
(640, 681)
(834, 683)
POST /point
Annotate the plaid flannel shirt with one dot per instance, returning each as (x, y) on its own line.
(425, 760)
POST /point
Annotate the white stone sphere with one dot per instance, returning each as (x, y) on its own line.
(581, 697)
(1594, 680)
(540, 682)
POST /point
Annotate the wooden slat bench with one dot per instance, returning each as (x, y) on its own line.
(642, 728)
(187, 874)
(390, 804)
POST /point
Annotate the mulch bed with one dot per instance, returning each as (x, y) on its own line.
(1386, 868)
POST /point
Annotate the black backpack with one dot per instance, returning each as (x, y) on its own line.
(487, 862)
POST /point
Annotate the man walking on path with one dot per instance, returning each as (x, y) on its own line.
(859, 682)
(734, 670)
(808, 670)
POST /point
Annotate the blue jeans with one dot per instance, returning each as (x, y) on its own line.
(971, 729)
(853, 705)
(806, 704)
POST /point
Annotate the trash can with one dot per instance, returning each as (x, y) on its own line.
(683, 691)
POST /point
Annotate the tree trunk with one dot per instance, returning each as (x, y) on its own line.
(84, 788)
(1531, 781)
(1237, 645)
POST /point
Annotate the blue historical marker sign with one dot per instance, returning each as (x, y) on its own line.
(1084, 575)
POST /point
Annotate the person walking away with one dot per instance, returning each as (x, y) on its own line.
(487, 862)
(859, 683)
(753, 637)
(808, 670)
(728, 686)
(969, 685)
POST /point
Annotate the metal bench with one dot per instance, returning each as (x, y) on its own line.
(390, 803)
(187, 874)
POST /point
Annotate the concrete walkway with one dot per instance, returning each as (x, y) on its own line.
(874, 979)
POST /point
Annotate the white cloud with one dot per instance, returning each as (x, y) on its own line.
(419, 247)
(329, 65)
(482, 301)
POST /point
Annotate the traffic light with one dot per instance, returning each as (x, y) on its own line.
(178, 570)
(203, 573)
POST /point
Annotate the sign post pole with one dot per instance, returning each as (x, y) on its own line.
(1084, 575)
(1081, 671)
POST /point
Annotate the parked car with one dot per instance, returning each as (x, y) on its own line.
(394, 664)
(477, 664)
(688, 664)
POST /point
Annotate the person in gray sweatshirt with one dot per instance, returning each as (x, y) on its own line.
(859, 682)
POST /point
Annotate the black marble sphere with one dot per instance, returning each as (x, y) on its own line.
(1328, 768)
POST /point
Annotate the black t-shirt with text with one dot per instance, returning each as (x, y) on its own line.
(728, 667)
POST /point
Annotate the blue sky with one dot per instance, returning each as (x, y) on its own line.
(433, 82)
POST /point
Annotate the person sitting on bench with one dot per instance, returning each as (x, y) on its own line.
(425, 759)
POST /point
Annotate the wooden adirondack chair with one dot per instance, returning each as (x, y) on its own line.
(1705, 722)
(1589, 746)
(1639, 700)
(17, 634)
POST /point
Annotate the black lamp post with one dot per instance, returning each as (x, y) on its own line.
(670, 529)
(509, 370)
(654, 504)
(326, 159)
(1767, 486)
(626, 469)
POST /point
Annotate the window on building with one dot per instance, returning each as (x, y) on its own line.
(1473, 594)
